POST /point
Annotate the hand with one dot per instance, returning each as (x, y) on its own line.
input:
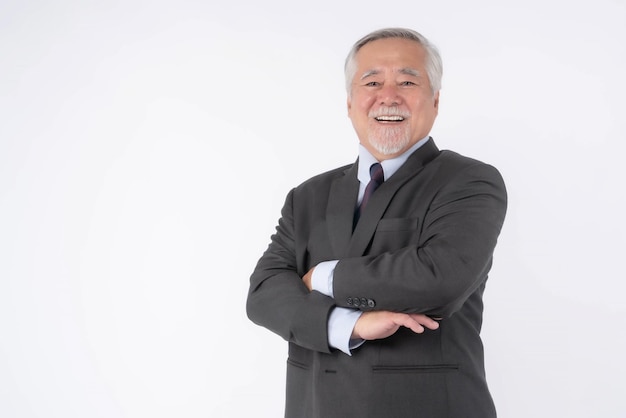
(374, 325)
(307, 279)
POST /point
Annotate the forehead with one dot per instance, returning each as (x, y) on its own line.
(390, 53)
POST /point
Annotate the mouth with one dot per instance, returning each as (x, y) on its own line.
(389, 118)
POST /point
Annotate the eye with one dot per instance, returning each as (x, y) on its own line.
(407, 83)
(373, 84)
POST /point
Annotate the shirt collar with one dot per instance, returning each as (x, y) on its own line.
(390, 166)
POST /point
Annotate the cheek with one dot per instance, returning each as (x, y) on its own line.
(358, 110)
(362, 101)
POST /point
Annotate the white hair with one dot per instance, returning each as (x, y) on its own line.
(434, 65)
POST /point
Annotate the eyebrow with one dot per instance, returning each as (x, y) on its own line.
(369, 73)
(410, 71)
(407, 71)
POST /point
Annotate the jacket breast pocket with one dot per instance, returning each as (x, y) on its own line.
(394, 233)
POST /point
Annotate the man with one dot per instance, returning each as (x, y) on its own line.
(380, 294)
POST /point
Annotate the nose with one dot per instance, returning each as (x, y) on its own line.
(389, 95)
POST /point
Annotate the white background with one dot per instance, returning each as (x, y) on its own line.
(146, 148)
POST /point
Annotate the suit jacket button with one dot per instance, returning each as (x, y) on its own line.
(349, 300)
(371, 303)
(363, 302)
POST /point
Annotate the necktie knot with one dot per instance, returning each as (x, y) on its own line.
(376, 173)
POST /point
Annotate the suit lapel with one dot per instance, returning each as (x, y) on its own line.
(340, 210)
(379, 201)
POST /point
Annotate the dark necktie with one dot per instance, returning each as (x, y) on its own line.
(376, 179)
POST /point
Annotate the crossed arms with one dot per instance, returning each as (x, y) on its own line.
(411, 284)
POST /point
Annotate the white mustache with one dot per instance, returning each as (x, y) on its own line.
(389, 111)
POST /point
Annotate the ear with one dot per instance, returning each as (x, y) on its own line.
(436, 100)
(349, 104)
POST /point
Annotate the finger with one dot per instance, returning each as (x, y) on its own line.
(409, 322)
(425, 321)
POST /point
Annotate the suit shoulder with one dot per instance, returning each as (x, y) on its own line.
(455, 161)
(451, 168)
(454, 158)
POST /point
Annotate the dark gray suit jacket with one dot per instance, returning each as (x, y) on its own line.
(424, 244)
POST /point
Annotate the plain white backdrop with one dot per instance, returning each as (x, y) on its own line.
(146, 149)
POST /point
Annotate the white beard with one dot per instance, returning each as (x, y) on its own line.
(389, 140)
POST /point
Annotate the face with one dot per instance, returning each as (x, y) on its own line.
(391, 104)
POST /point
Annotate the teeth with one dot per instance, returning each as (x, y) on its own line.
(390, 118)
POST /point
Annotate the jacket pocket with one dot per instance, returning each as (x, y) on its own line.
(430, 368)
(297, 364)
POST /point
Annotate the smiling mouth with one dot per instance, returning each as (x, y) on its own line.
(394, 118)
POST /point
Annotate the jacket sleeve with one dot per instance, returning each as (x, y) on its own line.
(278, 299)
(447, 263)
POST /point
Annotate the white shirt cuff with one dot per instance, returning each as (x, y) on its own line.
(340, 326)
(322, 278)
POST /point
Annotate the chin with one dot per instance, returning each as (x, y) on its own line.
(388, 146)
(389, 141)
